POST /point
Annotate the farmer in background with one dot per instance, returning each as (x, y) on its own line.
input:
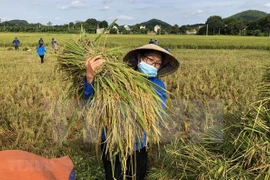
(154, 61)
(16, 43)
(52, 43)
(151, 41)
(55, 46)
(156, 42)
(41, 50)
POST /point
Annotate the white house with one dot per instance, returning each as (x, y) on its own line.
(100, 30)
(116, 28)
(192, 31)
(126, 27)
(142, 27)
(156, 28)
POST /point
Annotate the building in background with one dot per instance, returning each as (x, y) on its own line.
(127, 27)
(156, 28)
(142, 27)
(191, 31)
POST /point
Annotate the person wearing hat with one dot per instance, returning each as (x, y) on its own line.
(155, 62)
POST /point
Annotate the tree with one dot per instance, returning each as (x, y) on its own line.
(264, 25)
(174, 29)
(233, 26)
(202, 30)
(103, 24)
(71, 25)
(49, 24)
(91, 22)
(78, 24)
(183, 29)
(122, 30)
(142, 31)
(215, 23)
(113, 31)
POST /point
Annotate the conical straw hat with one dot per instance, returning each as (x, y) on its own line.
(169, 63)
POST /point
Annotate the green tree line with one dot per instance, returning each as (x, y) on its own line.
(214, 25)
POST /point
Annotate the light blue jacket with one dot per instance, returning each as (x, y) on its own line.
(41, 50)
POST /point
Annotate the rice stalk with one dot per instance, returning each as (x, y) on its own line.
(243, 152)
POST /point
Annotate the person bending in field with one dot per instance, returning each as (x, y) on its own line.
(154, 61)
(41, 50)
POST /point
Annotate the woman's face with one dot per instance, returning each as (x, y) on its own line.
(153, 58)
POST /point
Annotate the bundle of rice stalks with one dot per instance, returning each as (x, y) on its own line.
(186, 160)
(26, 49)
(74, 54)
(264, 90)
(246, 143)
(242, 153)
(125, 103)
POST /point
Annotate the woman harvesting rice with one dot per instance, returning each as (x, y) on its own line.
(153, 61)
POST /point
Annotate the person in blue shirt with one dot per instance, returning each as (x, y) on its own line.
(16, 43)
(41, 50)
(151, 41)
(153, 61)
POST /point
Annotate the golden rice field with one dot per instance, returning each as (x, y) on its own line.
(218, 76)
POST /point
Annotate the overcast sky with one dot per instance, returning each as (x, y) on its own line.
(130, 12)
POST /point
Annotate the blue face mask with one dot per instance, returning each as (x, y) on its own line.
(147, 69)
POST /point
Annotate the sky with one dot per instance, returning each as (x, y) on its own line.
(127, 12)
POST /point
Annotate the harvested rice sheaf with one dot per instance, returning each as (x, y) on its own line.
(125, 103)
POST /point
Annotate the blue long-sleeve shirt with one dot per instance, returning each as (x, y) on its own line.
(41, 50)
(89, 90)
(16, 42)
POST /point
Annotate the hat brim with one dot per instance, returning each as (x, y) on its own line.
(171, 63)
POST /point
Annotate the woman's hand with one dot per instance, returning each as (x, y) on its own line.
(91, 66)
